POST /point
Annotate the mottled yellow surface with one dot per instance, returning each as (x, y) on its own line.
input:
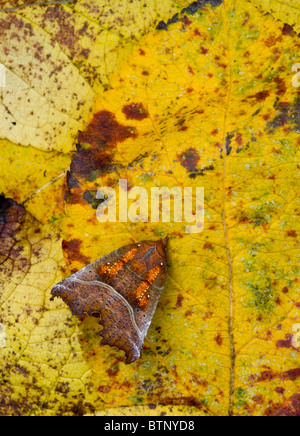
(207, 103)
(286, 11)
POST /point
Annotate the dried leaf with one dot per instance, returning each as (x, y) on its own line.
(208, 103)
(208, 100)
(41, 364)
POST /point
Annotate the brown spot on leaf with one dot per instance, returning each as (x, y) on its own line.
(219, 339)
(72, 251)
(135, 111)
(287, 343)
(292, 234)
(112, 372)
(204, 50)
(258, 399)
(189, 159)
(260, 96)
(291, 407)
(288, 30)
(186, 20)
(292, 374)
(281, 87)
(97, 144)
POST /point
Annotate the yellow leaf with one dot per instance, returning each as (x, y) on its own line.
(153, 410)
(55, 55)
(44, 98)
(285, 11)
(35, 178)
(209, 103)
(42, 368)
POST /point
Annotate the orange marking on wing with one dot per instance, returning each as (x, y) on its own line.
(141, 291)
(138, 266)
(113, 269)
(102, 269)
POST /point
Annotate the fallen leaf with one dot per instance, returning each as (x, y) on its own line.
(209, 103)
(42, 368)
(205, 100)
(286, 12)
(34, 178)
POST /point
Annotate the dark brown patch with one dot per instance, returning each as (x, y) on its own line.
(179, 300)
(11, 217)
(135, 111)
(291, 234)
(260, 96)
(288, 30)
(112, 372)
(219, 339)
(97, 144)
(287, 343)
(72, 251)
(281, 87)
(292, 374)
(291, 407)
(72, 182)
(191, 10)
(189, 159)
(186, 20)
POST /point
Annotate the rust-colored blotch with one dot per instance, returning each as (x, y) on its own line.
(122, 289)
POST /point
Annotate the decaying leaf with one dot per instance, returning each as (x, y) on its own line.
(55, 56)
(53, 60)
(35, 178)
(208, 103)
(285, 11)
(171, 94)
(41, 364)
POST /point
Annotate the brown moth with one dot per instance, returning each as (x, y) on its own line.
(123, 289)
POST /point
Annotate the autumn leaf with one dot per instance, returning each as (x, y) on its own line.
(287, 12)
(54, 59)
(208, 103)
(171, 94)
(42, 368)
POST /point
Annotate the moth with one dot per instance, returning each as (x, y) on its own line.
(122, 289)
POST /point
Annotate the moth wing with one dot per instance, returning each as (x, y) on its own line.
(86, 294)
